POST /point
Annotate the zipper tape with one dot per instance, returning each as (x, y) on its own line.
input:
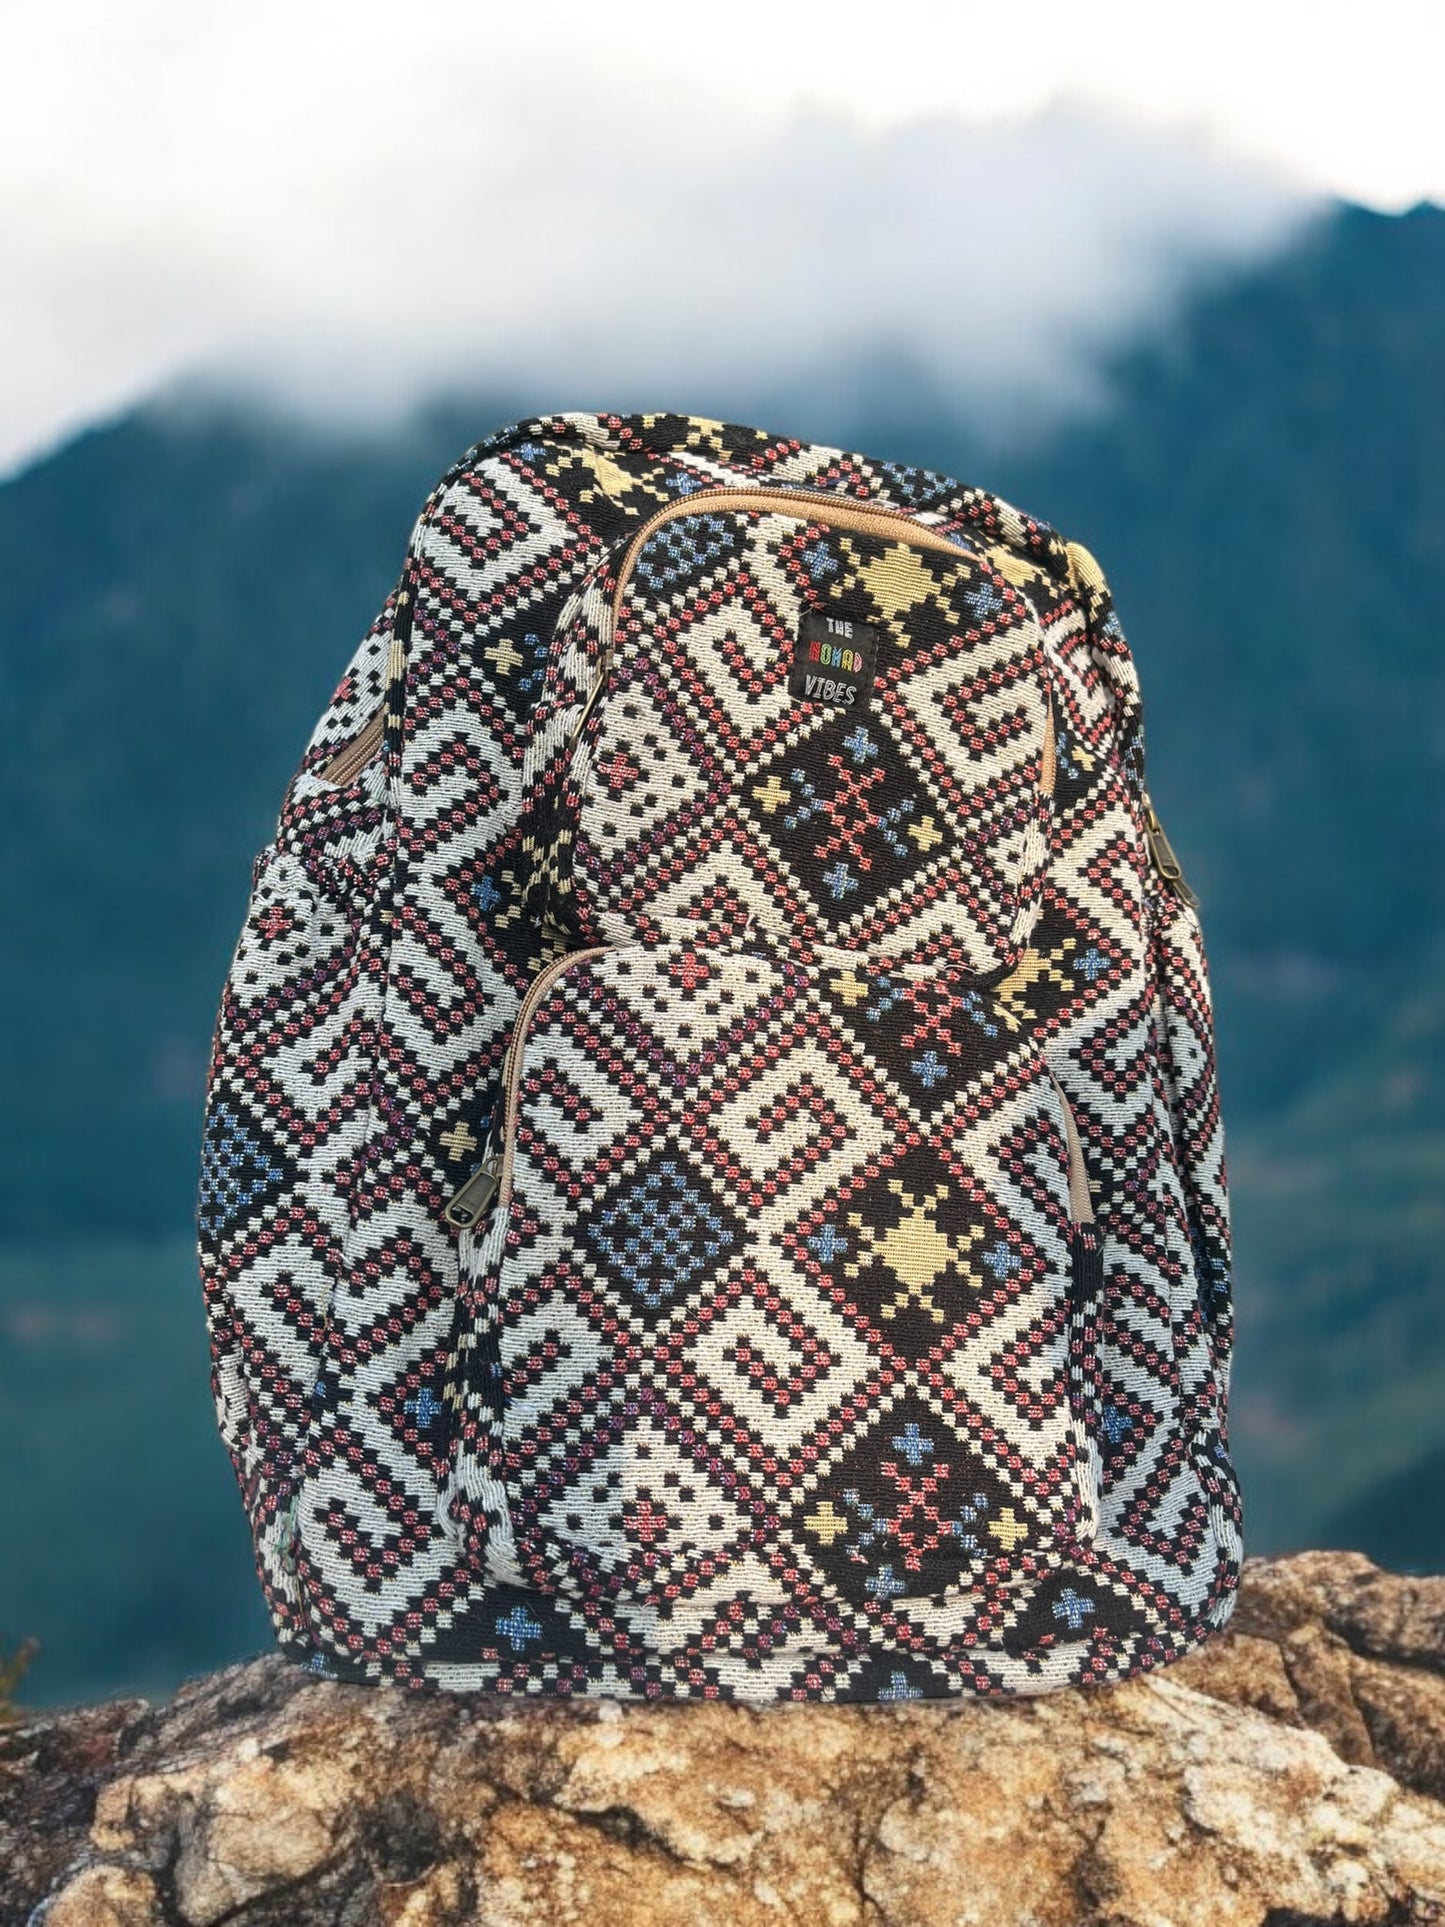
(494, 1173)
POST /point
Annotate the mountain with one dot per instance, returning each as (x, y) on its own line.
(1266, 490)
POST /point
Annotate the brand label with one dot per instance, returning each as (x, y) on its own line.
(833, 661)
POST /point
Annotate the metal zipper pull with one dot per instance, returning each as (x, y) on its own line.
(474, 1198)
(1161, 855)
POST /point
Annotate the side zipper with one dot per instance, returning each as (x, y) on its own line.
(1161, 855)
(474, 1198)
(352, 758)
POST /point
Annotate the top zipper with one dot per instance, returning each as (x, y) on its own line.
(826, 511)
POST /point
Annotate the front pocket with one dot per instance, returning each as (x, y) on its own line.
(889, 790)
(777, 1289)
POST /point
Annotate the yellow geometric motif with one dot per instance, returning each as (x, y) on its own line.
(849, 987)
(826, 1523)
(706, 436)
(896, 580)
(1015, 568)
(458, 1141)
(1013, 994)
(1008, 1529)
(1084, 571)
(517, 904)
(503, 656)
(611, 480)
(771, 794)
(914, 1250)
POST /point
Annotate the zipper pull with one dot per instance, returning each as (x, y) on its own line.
(1161, 855)
(472, 1201)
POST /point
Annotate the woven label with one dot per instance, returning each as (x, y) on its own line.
(833, 660)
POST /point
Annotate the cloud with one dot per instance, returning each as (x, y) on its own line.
(352, 225)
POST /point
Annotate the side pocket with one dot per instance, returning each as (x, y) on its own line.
(1191, 1082)
(1187, 1055)
(287, 1113)
(290, 1088)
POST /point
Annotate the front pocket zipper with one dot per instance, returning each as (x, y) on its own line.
(472, 1200)
(778, 1254)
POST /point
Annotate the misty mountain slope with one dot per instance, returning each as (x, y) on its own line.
(1268, 498)
(1339, 1206)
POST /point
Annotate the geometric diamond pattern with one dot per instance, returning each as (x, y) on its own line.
(853, 1317)
(238, 1171)
(661, 1233)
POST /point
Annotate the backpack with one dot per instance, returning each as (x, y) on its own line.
(712, 1180)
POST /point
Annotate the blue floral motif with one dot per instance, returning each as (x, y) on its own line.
(661, 1233)
(1071, 1607)
(1002, 1260)
(423, 1408)
(886, 821)
(912, 1445)
(884, 1586)
(929, 1069)
(973, 1512)
(237, 1169)
(539, 649)
(888, 994)
(518, 1629)
(827, 1244)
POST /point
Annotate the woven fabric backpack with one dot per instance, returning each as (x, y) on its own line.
(712, 1180)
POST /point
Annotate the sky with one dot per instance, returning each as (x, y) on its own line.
(350, 207)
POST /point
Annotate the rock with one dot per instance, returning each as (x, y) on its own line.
(1291, 1774)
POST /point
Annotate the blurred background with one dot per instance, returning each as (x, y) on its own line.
(1173, 282)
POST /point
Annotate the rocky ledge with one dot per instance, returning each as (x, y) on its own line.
(1291, 1773)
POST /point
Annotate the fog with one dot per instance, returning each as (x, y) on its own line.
(349, 225)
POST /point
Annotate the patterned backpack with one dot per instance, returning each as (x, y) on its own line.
(712, 1180)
